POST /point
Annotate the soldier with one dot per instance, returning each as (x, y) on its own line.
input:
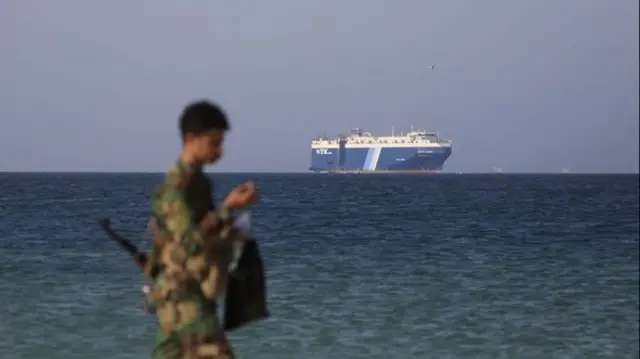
(192, 242)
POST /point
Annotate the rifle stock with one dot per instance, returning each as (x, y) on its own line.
(140, 258)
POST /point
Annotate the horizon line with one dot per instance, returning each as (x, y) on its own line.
(312, 173)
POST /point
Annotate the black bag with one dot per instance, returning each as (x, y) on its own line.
(246, 297)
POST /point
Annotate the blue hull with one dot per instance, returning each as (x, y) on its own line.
(379, 159)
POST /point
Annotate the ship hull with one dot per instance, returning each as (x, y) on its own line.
(379, 159)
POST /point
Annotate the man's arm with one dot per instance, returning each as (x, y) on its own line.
(174, 214)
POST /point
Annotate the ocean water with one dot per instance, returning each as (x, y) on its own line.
(450, 266)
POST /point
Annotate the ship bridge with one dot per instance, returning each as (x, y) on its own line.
(358, 138)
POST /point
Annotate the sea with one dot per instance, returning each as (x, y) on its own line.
(358, 266)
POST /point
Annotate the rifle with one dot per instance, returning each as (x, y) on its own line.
(140, 258)
(246, 288)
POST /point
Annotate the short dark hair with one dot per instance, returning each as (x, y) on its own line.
(202, 116)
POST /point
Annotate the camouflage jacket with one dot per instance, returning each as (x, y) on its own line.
(192, 241)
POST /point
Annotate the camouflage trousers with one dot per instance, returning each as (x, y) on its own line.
(190, 331)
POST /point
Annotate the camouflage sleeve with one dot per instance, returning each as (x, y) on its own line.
(173, 211)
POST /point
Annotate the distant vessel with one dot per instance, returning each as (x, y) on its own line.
(361, 152)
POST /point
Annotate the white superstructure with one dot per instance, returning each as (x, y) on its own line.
(359, 139)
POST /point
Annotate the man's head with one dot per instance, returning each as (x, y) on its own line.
(203, 126)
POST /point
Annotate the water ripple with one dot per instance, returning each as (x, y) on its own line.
(358, 267)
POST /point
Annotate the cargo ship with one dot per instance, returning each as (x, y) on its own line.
(416, 151)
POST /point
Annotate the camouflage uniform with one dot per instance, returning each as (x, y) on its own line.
(193, 255)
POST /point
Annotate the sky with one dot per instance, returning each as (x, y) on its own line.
(527, 86)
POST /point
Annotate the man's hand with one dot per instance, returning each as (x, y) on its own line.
(242, 196)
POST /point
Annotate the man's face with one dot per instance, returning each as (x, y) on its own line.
(208, 146)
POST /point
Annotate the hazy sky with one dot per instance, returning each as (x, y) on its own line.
(526, 85)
